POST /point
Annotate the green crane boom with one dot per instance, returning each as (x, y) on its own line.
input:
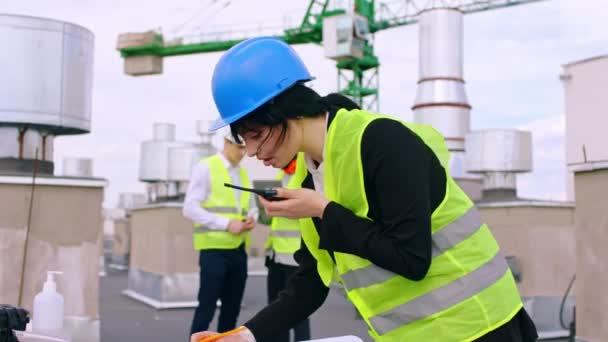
(357, 77)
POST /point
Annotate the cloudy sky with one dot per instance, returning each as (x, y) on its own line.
(512, 62)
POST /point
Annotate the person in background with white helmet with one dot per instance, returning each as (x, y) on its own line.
(378, 211)
(222, 220)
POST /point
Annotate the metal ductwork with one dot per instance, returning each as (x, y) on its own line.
(41, 98)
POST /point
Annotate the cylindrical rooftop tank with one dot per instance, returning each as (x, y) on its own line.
(164, 131)
(78, 167)
(154, 159)
(499, 154)
(181, 162)
(46, 78)
(130, 200)
(499, 150)
(47, 74)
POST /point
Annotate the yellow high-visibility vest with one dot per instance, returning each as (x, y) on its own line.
(285, 237)
(468, 290)
(222, 202)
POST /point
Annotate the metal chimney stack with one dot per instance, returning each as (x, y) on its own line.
(441, 100)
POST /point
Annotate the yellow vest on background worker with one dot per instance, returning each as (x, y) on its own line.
(222, 202)
(468, 290)
(285, 237)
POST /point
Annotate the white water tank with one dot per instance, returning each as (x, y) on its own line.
(78, 167)
(46, 79)
(181, 161)
(47, 74)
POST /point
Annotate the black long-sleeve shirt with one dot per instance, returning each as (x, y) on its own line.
(404, 184)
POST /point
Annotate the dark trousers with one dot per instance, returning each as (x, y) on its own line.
(278, 274)
(223, 274)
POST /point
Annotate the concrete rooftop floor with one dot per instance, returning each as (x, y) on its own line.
(126, 320)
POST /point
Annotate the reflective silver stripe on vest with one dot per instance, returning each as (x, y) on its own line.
(286, 233)
(366, 276)
(442, 298)
(219, 210)
(285, 259)
(203, 229)
(456, 232)
(223, 210)
(451, 235)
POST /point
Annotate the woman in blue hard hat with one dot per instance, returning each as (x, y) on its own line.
(378, 211)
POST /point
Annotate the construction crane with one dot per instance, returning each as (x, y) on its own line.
(346, 35)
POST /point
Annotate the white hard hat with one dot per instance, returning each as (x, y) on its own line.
(227, 134)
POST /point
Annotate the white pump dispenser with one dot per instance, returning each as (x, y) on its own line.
(48, 307)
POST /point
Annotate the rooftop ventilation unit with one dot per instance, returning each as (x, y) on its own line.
(41, 98)
(166, 164)
(498, 155)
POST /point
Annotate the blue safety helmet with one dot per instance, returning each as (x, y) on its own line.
(250, 74)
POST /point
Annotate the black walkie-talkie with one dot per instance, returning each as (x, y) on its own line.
(268, 194)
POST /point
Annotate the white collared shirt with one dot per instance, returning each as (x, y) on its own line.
(317, 172)
(199, 190)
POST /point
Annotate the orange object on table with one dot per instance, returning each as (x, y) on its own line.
(218, 336)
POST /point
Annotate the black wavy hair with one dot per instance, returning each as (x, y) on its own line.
(295, 102)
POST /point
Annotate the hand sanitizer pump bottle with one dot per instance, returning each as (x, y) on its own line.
(48, 308)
